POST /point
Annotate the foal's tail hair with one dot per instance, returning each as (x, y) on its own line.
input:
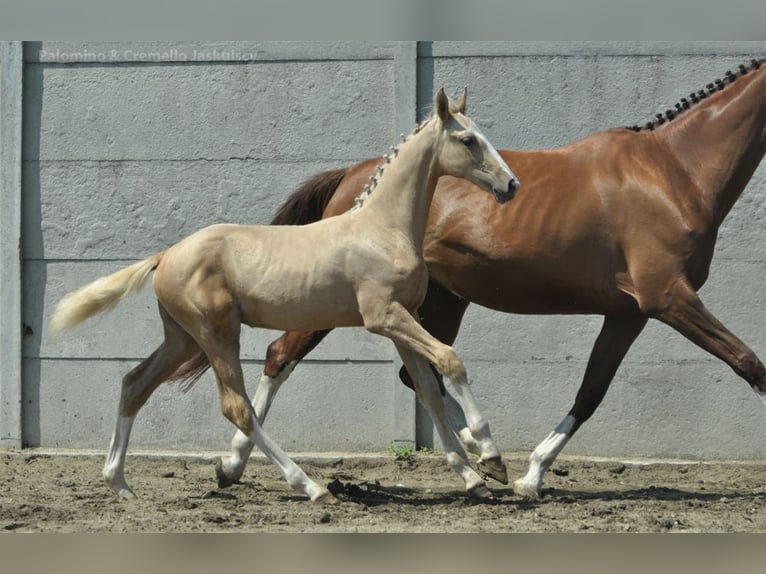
(307, 203)
(102, 294)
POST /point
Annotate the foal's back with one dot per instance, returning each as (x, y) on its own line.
(305, 277)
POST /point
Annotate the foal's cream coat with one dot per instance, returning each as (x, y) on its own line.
(361, 268)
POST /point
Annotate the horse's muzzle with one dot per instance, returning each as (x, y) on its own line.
(503, 196)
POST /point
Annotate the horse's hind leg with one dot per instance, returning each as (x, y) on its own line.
(137, 387)
(616, 337)
(223, 352)
(281, 358)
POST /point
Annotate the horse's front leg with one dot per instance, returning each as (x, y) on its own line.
(417, 348)
(617, 335)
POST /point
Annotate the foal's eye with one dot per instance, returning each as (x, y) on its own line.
(468, 141)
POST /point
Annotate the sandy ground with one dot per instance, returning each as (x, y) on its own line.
(53, 493)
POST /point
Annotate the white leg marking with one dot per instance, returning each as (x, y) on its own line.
(456, 419)
(114, 469)
(427, 390)
(241, 445)
(542, 457)
(478, 427)
(292, 472)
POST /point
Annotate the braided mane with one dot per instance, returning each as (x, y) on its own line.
(387, 159)
(696, 97)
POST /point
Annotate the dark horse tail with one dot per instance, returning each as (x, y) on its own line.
(305, 205)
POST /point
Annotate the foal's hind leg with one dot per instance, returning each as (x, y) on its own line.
(223, 352)
(137, 387)
(616, 336)
(281, 358)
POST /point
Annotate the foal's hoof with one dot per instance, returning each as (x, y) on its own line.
(526, 490)
(223, 480)
(126, 494)
(326, 498)
(494, 468)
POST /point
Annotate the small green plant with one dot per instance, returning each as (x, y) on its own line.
(401, 451)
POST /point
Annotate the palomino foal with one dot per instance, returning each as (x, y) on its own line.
(365, 268)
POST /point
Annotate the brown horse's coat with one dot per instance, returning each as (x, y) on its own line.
(621, 223)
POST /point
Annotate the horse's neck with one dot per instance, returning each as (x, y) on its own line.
(402, 197)
(721, 140)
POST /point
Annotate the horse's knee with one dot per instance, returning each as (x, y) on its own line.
(238, 411)
(406, 379)
(451, 365)
(750, 368)
(277, 358)
(132, 394)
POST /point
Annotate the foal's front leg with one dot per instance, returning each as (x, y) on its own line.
(417, 348)
(427, 389)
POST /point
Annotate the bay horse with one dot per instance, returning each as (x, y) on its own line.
(365, 268)
(621, 223)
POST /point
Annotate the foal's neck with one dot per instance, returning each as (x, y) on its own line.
(402, 196)
(721, 141)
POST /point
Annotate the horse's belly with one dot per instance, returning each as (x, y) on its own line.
(288, 310)
(535, 287)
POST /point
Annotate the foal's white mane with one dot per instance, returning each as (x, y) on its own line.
(387, 159)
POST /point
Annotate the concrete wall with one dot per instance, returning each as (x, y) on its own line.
(129, 147)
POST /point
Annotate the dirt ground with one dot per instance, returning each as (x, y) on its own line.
(52, 493)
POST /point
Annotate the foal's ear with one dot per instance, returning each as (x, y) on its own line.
(442, 105)
(460, 104)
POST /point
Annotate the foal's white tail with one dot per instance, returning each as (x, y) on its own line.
(102, 294)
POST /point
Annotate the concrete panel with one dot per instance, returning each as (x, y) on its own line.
(128, 153)
(128, 210)
(569, 49)
(136, 52)
(743, 232)
(73, 404)
(283, 111)
(549, 101)
(11, 70)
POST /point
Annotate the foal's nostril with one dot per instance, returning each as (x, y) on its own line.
(513, 185)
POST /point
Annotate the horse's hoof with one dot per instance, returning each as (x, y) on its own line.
(480, 492)
(326, 498)
(126, 494)
(526, 490)
(223, 480)
(494, 468)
